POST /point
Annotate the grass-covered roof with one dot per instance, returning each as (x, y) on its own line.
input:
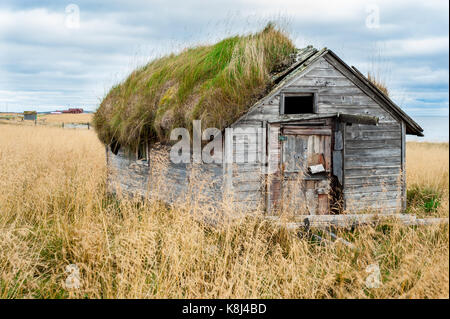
(214, 83)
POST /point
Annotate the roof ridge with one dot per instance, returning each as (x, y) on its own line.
(301, 56)
(397, 108)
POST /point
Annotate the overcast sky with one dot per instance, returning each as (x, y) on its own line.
(56, 54)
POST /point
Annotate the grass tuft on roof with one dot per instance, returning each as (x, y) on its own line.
(380, 84)
(215, 84)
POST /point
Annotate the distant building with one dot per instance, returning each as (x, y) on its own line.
(30, 115)
(73, 111)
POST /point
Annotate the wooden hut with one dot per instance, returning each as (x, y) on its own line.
(324, 135)
(30, 115)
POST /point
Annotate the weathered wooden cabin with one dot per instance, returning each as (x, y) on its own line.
(30, 115)
(326, 136)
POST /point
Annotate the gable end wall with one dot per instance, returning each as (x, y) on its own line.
(373, 157)
(372, 154)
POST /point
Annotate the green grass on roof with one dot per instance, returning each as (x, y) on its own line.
(215, 84)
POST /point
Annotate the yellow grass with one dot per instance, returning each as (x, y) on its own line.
(378, 82)
(67, 118)
(55, 120)
(54, 212)
(10, 114)
(427, 169)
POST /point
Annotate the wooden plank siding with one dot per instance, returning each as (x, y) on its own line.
(163, 179)
(372, 156)
(274, 177)
(248, 181)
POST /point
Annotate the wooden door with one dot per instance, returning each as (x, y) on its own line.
(305, 169)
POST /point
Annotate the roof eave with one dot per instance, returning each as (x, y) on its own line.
(412, 127)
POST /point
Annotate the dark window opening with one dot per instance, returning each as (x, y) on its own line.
(299, 104)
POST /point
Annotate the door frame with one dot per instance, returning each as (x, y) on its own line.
(274, 178)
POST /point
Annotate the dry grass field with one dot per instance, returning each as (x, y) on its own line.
(67, 118)
(47, 119)
(54, 212)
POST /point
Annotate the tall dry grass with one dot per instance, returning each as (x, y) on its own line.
(428, 180)
(67, 118)
(378, 82)
(48, 119)
(54, 212)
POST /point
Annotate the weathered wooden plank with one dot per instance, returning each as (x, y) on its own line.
(370, 161)
(344, 98)
(338, 141)
(373, 144)
(369, 176)
(403, 165)
(377, 170)
(374, 196)
(259, 117)
(381, 206)
(247, 177)
(338, 166)
(337, 89)
(244, 151)
(243, 168)
(249, 121)
(246, 184)
(372, 135)
(350, 220)
(268, 109)
(245, 196)
(358, 119)
(378, 188)
(389, 127)
(323, 206)
(382, 119)
(360, 110)
(373, 152)
(372, 180)
(323, 73)
(326, 81)
(274, 148)
(295, 130)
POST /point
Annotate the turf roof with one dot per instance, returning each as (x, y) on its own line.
(214, 83)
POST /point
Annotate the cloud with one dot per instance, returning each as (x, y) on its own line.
(417, 47)
(44, 64)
